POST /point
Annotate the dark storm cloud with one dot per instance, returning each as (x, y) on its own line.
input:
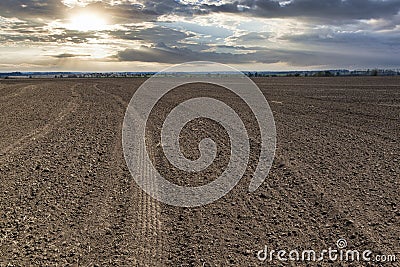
(160, 7)
(344, 9)
(359, 40)
(32, 8)
(164, 54)
(67, 55)
(324, 9)
(156, 34)
(76, 37)
(329, 57)
(19, 34)
(146, 10)
(163, 7)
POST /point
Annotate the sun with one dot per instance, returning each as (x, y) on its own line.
(87, 22)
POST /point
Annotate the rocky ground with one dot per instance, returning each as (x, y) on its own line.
(68, 199)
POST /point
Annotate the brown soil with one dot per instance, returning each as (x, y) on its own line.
(68, 199)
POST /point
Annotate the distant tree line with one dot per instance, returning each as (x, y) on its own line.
(326, 73)
(252, 74)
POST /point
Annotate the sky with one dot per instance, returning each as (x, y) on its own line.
(147, 35)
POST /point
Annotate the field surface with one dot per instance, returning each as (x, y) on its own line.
(68, 199)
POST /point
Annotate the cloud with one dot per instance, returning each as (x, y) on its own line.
(29, 9)
(173, 55)
(335, 58)
(298, 32)
(334, 10)
(325, 10)
(151, 34)
(122, 13)
(67, 55)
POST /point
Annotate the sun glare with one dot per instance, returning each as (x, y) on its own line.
(87, 22)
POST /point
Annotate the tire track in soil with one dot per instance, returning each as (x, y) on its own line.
(149, 240)
(303, 198)
(19, 155)
(7, 100)
(19, 91)
(42, 131)
(317, 192)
